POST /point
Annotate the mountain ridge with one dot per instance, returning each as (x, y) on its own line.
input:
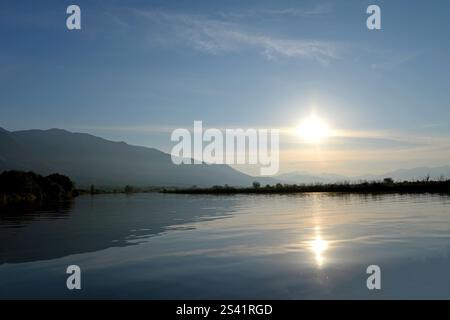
(89, 159)
(416, 173)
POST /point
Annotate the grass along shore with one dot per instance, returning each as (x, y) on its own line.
(385, 186)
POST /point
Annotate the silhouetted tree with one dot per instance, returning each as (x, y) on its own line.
(19, 186)
(256, 185)
(63, 181)
(128, 189)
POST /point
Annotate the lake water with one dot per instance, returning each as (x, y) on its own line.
(156, 246)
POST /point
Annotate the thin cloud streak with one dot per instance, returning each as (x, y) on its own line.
(216, 36)
(318, 10)
(380, 140)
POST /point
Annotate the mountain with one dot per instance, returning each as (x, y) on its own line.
(300, 177)
(88, 159)
(418, 173)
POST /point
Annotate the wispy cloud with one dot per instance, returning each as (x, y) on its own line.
(217, 36)
(318, 10)
(393, 60)
(304, 12)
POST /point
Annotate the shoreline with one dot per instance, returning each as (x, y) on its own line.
(374, 187)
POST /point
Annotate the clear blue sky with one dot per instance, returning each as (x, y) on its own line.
(139, 68)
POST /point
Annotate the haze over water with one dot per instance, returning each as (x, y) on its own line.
(275, 246)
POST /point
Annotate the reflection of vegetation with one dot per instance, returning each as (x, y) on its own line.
(388, 185)
(22, 213)
(18, 186)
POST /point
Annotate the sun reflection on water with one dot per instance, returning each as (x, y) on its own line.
(318, 246)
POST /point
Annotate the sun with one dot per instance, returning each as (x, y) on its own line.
(313, 130)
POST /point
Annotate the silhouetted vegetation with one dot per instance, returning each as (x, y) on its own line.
(128, 189)
(388, 185)
(19, 186)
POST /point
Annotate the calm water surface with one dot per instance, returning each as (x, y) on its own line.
(187, 247)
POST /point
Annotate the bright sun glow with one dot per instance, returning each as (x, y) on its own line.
(313, 130)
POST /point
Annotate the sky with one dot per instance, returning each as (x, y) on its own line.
(139, 69)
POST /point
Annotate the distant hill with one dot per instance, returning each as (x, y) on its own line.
(419, 173)
(88, 159)
(300, 177)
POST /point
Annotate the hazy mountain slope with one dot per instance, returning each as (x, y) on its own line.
(297, 177)
(14, 156)
(419, 173)
(92, 160)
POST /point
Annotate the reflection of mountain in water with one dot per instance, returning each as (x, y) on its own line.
(96, 223)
